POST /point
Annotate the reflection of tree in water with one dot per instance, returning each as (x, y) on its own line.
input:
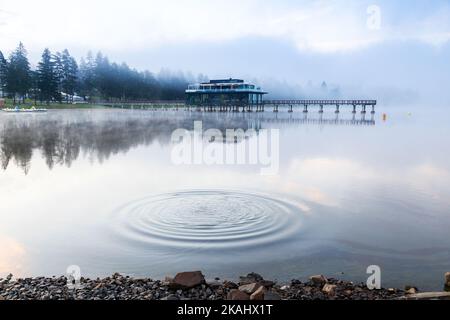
(61, 142)
(17, 146)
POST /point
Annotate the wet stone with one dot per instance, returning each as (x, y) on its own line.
(187, 280)
(318, 280)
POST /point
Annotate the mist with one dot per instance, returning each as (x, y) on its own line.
(288, 47)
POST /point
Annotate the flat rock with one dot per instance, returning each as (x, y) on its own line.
(237, 295)
(249, 288)
(429, 296)
(318, 280)
(187, 280)
(258, 294)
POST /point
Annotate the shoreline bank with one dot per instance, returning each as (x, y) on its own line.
(193, 286)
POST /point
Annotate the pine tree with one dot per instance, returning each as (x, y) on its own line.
(59, 73)
(86, 76)
(18, 80)
(69, 74)
(35, 91)
(47, 78)
(3, 73)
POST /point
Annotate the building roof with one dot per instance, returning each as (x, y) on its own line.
(230, 80)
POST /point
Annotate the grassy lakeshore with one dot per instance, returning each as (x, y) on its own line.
(9, 103)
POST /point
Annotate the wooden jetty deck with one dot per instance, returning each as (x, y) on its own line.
(276, 105)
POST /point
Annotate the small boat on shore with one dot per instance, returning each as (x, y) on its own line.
(23, 110)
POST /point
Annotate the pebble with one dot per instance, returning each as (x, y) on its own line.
(120, 287)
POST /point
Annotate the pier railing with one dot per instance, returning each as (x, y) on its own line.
(248, 107)
(321, 102)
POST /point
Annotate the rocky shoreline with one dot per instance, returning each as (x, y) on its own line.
(193, 286)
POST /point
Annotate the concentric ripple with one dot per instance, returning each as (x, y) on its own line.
(207, 219)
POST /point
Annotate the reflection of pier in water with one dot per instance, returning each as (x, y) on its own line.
(261, 121)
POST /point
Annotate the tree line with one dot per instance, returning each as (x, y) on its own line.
(58, 77)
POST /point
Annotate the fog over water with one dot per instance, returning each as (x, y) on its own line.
(98, 188)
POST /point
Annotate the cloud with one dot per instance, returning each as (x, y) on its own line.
(313, 26)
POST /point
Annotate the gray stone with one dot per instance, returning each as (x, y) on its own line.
(249, 288)
(319, 280)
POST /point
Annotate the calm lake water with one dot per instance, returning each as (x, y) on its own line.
(99, 189)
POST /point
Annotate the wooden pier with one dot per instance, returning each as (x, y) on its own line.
(304, 106)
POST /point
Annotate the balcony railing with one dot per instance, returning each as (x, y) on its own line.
(192, 90)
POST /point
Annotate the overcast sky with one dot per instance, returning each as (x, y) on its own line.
(399, 45)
